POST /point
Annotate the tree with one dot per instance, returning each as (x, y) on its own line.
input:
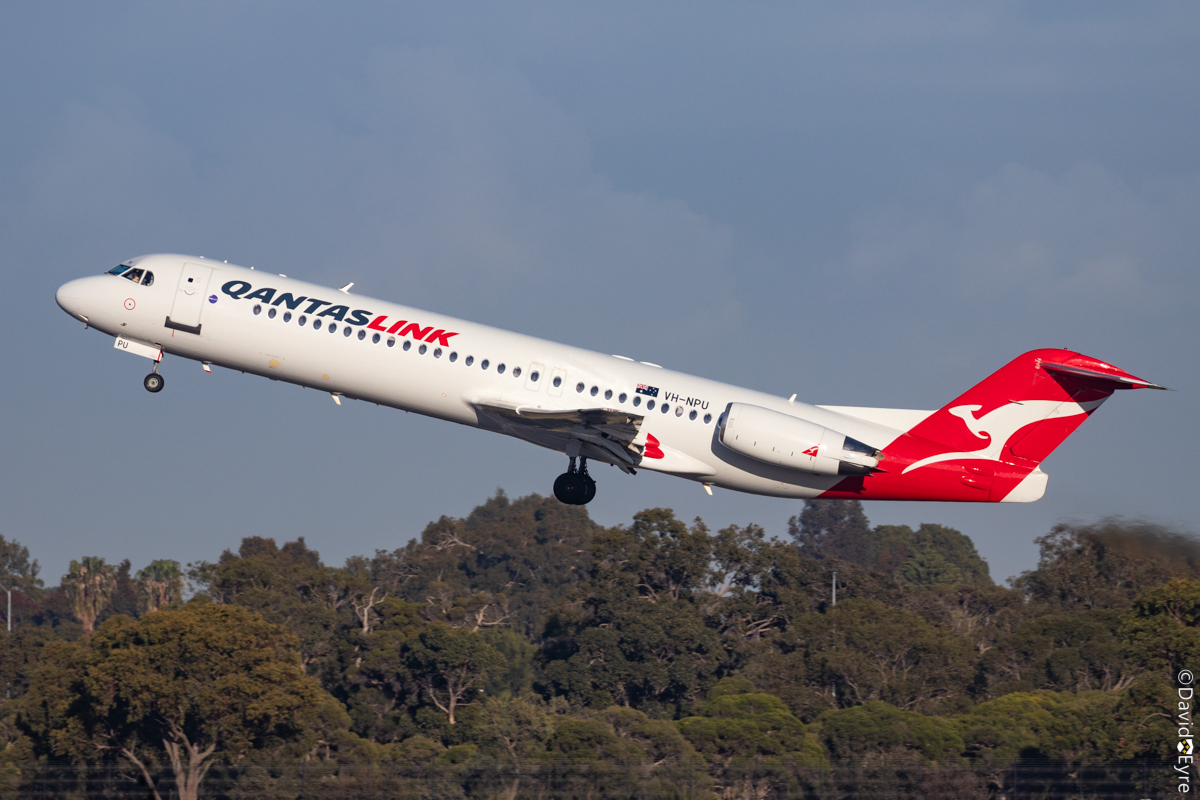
(448, 664)
(872, 652)
(89, 586)
(289, 586)
(1060, 652)
(161, 584)
(1108, 564)
(832, 528)
(196, 684)
(638, 633)
(17, 572)
(508, 561)
(930, 555)
(1162, 630)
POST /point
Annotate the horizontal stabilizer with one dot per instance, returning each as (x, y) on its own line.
(1114, 380)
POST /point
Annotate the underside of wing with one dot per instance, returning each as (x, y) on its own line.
(602, 434)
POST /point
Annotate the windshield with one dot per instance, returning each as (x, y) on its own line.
(143, 276)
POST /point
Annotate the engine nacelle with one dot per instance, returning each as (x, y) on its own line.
(795, 443)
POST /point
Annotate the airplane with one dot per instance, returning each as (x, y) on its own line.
(984, 446)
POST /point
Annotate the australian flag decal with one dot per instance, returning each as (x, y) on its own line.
(650, 391)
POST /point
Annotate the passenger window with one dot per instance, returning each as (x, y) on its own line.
(679, 411)
(637, 400)
(347, 330)
(149, 279)
(287, 316)
(407, 345)
(595, 391)
(391, 341)
(533, 376)
(361, 334)
(483, 364)
(271, 314)
(421, 350)
(665, 408)
(469, 360)
(557, 381)
(608, 394)
(516, 372)
(303, 319)
(317, 326)
(692, 415)
(257, 309)
(707, 418)
(453, 357)
(579, 388)
(375, 339)
(621, 398)
(650, 405)
(500, 369)
(437, 352)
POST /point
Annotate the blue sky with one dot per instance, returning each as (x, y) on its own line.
(875, 204)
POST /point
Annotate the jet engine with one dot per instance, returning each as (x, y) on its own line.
(795, 443)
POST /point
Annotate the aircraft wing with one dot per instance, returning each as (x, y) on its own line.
(604, 434)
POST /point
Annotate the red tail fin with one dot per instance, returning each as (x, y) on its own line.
(990, 440)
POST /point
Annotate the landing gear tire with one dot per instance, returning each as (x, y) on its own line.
(575, 487)
(153, 382)
(572, 488)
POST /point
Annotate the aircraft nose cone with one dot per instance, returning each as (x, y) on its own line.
(70, 297)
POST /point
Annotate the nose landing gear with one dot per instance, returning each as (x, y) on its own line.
(575, 487)
(153, 382)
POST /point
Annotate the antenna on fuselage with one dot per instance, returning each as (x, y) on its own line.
(346, 289)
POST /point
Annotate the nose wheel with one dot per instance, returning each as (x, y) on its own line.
(575, 487)
(153, 382)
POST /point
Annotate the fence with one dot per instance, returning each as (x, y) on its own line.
(879, 779)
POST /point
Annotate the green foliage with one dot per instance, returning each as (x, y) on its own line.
(876, 727)
(1058, 652)
(524, 651)
(288, 586)
(160, 585)
(870, 651)
(928, 556)
(1162, 630)
(832, 529)
(17, 573)
(516, 558)
(1108, 564)
(450, 666)
(639, 634)
(89, 586)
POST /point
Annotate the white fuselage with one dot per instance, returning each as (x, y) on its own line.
(448, 379)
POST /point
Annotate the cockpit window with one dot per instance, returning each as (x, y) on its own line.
(142, 276)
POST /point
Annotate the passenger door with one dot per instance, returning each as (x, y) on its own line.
(189, 298)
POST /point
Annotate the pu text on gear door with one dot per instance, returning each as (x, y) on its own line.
(189, 298)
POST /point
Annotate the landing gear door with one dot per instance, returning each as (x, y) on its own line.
(189, 298)
(558, 377)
